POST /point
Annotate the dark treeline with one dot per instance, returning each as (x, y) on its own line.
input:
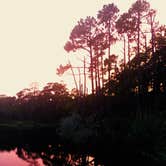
(33, 104)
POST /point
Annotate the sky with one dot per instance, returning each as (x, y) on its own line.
(33, 34)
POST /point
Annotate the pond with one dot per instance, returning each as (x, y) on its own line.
(23, 157)
(41, 149)
(27, 147)
(11, 158)
(38, 148)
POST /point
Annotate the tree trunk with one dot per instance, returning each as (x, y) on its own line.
(152, 33)
(102, 72)
(98, 75)
(138, 35)
(124, 52)
(138, 47)
(91, 70)
(109, 49)
(80, 85)
(84, 77)
(129, 52)
(96, 83)
(74, 78)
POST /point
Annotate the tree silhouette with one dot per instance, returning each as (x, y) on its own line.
(111, 63)
(82, 37)
(160, 37)
(100, 45)
(63, 68)
(139, 11)
(126, 26)
(56, 90)
(107, 17)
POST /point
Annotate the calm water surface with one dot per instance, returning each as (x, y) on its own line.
(42, 149)
(45, 149)
(11, 158)
(49, 156)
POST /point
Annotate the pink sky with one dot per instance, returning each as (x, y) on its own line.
(33, 34)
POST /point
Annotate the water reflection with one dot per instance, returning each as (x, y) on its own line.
(53, 155)
(24, 156)
(42, 149)
(20, 152)
(30, 158)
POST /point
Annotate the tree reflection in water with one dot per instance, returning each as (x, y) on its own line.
(53, 156)
(30, 157)
(43, 148)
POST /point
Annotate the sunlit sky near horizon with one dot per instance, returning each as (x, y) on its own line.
(34, 32)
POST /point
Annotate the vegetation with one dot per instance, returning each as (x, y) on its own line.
(124, 115)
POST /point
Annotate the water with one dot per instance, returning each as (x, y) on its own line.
(25, 156)
(40, 149)
(10, 158)
(45, 149)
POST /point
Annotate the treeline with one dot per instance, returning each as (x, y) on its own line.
(140, 77)
(142, 68)
(46, 105)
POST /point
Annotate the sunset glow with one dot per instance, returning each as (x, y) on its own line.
(33, 34)
(82, 82)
